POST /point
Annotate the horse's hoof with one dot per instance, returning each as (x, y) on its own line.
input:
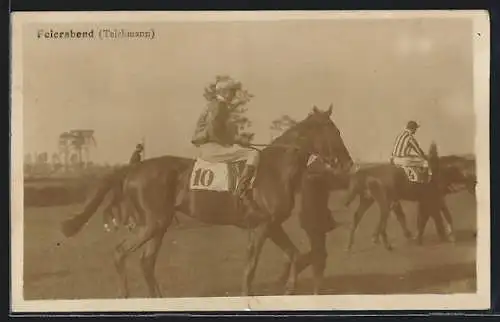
(375, 240)
(281, 282)
(289, 288)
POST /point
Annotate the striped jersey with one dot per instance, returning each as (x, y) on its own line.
(404, 144)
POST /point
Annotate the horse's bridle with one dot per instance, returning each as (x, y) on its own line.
(297, 147)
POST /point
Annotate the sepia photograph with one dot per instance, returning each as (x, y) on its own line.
(227, 161)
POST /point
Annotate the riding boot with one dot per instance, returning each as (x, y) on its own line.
(243, 190)
(245, 180)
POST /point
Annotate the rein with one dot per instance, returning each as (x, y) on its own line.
(291, 146)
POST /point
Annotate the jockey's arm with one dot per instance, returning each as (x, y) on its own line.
(416, 148)
(214, 121)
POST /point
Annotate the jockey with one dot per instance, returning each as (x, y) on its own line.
(136, 156)
(404, 145)
(217, 139)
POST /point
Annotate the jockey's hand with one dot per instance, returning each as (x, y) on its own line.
(242, 141)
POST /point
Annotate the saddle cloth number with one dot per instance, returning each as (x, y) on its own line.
(412, 174)
(209, 176)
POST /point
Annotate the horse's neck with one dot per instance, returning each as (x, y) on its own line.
(288, 163)
(434, 166)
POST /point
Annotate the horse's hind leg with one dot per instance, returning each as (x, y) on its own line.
(365, 203)
(119, 260)
(401, 217)
(449, 220)
(385, 211)
(148, 262)
(107, 217)
(257, 239)
(423, 216)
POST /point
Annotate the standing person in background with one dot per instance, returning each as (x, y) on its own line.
(137, 155)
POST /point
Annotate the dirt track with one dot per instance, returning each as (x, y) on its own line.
(208, 261)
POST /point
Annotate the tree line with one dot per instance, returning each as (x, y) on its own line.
(75, 146)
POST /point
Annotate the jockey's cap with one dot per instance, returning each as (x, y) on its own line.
(227, 83)
(412, 125)
(139, 146)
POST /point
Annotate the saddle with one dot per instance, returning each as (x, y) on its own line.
(211, 193)
(216, 176)
(416, 175)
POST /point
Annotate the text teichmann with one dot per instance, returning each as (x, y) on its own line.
(66, 34)
(123, 33)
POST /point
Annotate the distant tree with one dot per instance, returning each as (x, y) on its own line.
(281, 124)
(28, 164)
(78, 141)
(42, 166)
(56, 162)
(82, 140)
(65, 146)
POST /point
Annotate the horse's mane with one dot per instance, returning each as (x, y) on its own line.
(285, 136)
(284, 143)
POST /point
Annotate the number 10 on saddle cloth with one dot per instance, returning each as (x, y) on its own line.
(210, 176)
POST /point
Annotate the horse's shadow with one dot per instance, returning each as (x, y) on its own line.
(411, 282)
(465, 236)
(416, 281)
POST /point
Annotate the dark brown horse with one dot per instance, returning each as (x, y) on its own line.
(388, 185)
(116, 214)
(457, 173)
(159, 187)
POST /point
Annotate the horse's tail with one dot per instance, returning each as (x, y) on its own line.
(72, 226)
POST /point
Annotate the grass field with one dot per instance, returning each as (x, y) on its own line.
(198, 260)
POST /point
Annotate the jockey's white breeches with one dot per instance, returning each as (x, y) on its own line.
(410, 161)
(213, 152)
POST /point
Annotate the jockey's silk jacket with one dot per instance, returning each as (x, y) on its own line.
(214, 126)
(135, 158)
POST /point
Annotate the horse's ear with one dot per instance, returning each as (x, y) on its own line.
(315, 109)
(330, 110)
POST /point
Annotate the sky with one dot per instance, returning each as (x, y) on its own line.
(378, 74)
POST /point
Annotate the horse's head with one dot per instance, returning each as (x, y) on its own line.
(319, 135)
(458, 173)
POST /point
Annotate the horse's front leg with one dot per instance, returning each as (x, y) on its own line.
(450, 231)
(258, 237)
(364, 204)
(283, 241)
(401, 217)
